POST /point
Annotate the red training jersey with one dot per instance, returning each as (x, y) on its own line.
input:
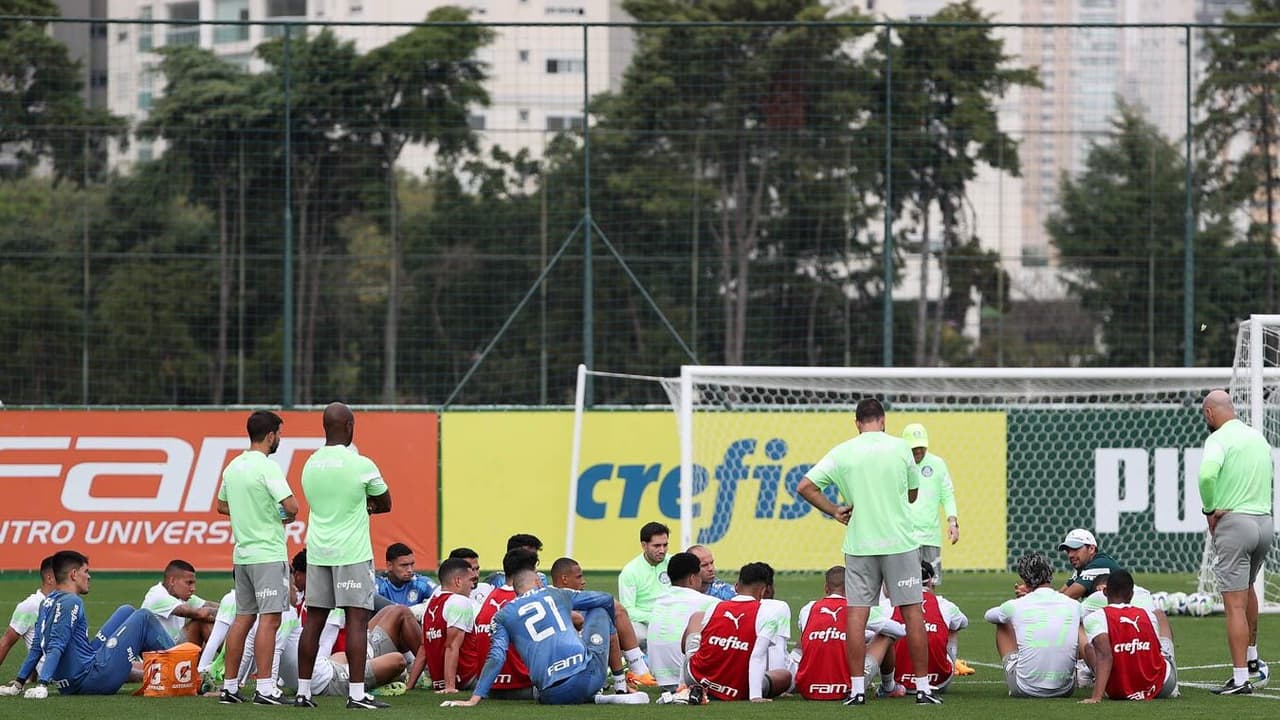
(824, 668)
(938, 633)
(1137, 666)
(722, 663)
(339, 645)
(513, 675)
(435, 636)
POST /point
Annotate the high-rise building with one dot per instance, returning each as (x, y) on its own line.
(86, 43)
(537, 75)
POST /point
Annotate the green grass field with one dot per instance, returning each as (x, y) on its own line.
(1201, 651)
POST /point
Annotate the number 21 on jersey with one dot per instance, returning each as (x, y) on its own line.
(534, 614)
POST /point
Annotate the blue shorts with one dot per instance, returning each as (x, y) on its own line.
(582, 687)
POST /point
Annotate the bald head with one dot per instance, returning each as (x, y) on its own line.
(339, 424)
(1218, 409)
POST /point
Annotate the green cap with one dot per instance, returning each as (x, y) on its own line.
(916, 436)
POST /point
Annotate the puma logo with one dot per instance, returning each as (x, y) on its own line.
(834, 613)
(431, 610)
(735, 620)
(1131, 621)
(496, 605)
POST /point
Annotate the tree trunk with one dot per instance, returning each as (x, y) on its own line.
(922, 303)
(391, 329)
(726, 273)
(940, 313)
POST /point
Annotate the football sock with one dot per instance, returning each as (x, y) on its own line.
(231, 685)
(619, 681)
(1240, 675)
(304, 687)
(1251, 653)
(356, 691)
(635, 659)
(859, 685)
(922, 684)
(266, 686)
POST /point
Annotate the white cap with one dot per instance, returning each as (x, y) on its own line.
(1078, 538)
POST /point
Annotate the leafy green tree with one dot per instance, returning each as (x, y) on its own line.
(207, 109)
(1239, 101)
(42, 115)
(330, 165)
(424, 84)
(1120, 229)
(734, 113)
(947, 82)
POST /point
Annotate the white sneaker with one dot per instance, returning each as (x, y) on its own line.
(38, 692)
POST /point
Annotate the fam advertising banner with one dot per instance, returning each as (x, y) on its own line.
(747, 468)
(135, 489)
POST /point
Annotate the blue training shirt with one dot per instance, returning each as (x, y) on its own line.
(538, 623)
(416, 590)
(62, 640)
(721, 590)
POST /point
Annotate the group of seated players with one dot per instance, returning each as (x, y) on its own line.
(522, 635)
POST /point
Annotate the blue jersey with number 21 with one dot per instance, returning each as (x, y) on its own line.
(538, 623)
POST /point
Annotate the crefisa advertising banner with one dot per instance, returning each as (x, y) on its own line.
(136, 489)
(508, 472)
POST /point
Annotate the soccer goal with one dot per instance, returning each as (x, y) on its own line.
(1033, 453)
(1255, 380)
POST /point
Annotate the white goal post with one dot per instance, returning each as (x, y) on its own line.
(1033, 453)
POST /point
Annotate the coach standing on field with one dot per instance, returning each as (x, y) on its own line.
(1235, 491)
(878, 479)
(343, 488)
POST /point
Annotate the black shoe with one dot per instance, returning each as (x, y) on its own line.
(260, 699)
(697, 694)
(927, 698)
(859, 699)
(368, 702)
(231, 698)
(303, 701)
(1231, 688)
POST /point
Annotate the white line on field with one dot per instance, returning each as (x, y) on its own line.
(1210, 686)
(985, 664)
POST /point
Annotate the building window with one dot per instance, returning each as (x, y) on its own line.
(356, 7)
(524, 56)
(146, 87)
(146, 151)
(565, 66)
(475, 122)
(565, 10)
(523, 115)
(98, 79)
(287, 8)
(145, 38)
(557, 123)
(231, 10)
(183, 34)
(98, 30)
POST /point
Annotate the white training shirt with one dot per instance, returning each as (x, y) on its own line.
(159, 601)
(23, 620)
(667, 624)
(1046, 624)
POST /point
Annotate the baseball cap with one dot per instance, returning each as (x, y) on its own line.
(1078, 538)
(915, 435)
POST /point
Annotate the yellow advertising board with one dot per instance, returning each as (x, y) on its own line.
(508, 472)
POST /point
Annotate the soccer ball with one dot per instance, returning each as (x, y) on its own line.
(1160, 600)
(1176, 603)
(1199, 604)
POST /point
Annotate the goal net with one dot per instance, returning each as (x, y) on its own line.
(1032, 453)
(1255, 391)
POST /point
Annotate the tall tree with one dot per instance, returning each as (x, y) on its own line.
(1120, 229)
(735, 109)
(42, 115)
(947, 82)
(204, 114)
(1239, 99)
(424, 84)
(330, 161)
